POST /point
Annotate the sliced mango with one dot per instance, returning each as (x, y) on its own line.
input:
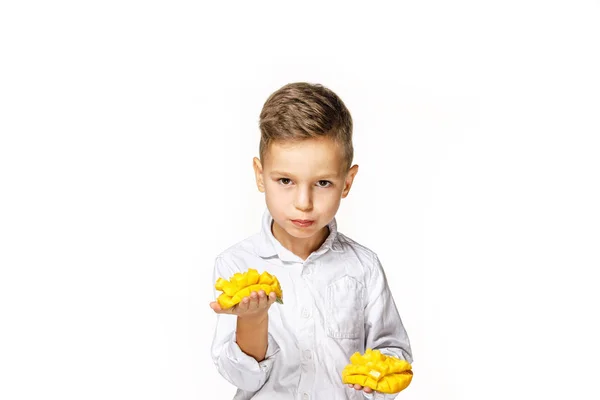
(240, 285)
(385, 374)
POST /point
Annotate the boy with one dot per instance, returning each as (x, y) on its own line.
(336, 298)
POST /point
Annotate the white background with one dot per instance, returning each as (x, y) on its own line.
(127, 133)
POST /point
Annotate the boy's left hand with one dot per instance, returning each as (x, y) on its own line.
(257, 304)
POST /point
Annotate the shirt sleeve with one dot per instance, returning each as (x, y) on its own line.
(240, 369)
(384, 330)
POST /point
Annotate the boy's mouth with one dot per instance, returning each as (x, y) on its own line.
(303, 223)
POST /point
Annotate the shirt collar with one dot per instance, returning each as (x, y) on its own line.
(269, 247)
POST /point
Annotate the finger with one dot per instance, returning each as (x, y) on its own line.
(272, 298)
(218, 309)
(357, 386)
(215, 306)
(243, 305)
(253, 301)
(368, 389)
(350, 385)
(263, 300)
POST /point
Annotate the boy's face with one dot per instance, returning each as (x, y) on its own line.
(304, 183)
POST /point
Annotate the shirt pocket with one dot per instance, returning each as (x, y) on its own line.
(345, 309)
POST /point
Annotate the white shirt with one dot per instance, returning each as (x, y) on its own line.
(335, 303)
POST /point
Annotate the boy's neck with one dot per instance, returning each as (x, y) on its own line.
(300, 247)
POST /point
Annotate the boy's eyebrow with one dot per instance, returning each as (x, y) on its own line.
(280, 173)
(327, 175)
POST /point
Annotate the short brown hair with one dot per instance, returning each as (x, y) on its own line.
(303, 110)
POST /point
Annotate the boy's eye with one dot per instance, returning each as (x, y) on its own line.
(324, 183)
(285, 181)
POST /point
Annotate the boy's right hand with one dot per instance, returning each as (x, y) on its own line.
(255, 305)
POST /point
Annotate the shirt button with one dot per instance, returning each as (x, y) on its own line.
(305, 313)
(305, 396)
(307, 354)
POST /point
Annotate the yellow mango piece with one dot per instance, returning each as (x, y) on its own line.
(385, 374)
(239, 280)
(241, 285)
(225, 301)
(245, 292)
(265, 278)
(252, 276)
(220, 283)
(226, 286)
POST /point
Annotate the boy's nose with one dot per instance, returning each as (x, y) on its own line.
(303, 200)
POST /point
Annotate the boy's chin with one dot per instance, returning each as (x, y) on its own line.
(303, 233)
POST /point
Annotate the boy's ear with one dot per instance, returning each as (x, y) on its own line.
(349, 179)
(260, 184)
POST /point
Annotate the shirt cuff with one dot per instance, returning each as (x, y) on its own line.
(249, 363)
